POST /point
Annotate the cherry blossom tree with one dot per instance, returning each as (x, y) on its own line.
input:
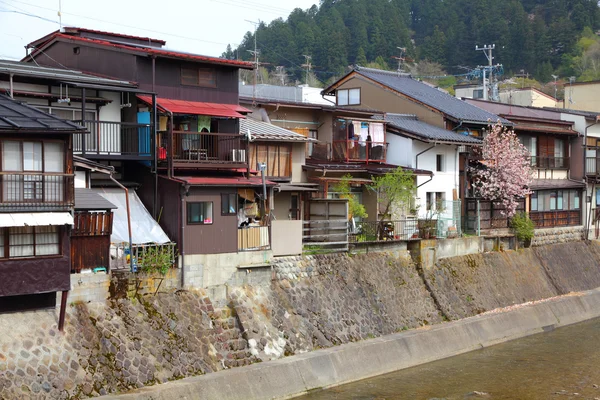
(506, 173)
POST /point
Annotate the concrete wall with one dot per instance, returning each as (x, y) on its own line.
(286, 237)
(584, 96)
(88, 288)
(400, 150)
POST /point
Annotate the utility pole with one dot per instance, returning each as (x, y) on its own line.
(487, 50)
(555, 88)
(401, 59)
(571, 80)
(256, 53)
(308, 66)
(280, 73)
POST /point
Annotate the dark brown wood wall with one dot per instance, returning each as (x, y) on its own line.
(38, 274)
(90, 240)
(115, 64)
(168, 208)
(168, 81)
(218, 237)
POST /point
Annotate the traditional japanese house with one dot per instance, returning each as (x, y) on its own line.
(36, 205)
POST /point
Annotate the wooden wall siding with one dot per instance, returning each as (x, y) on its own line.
(114, 64)
(577, 155)
(168, 81)
(169, 209)
(218, 237)
(92, 224)
(90, 240)
(37, 274)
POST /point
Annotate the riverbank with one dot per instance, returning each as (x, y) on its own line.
(297, 375)
(311, 305)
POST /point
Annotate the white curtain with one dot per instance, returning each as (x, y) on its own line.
(12, 186)
(20, 241)
(46, 240)
(32, 156)
(54, 162)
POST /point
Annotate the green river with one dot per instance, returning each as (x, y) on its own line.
(561, 364)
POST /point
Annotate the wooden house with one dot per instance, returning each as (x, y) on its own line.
(36, 204)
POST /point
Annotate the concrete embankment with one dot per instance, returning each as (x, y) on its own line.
(313, 305)
(299, 374)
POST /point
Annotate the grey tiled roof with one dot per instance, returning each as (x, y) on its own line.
(449, 105)
(15, 116)
(429, 133)
(87, 199)
(264, 131)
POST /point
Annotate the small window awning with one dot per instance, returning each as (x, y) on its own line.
(35, 219)
(196, 107)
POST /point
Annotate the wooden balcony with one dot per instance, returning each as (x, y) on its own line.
(550, 162)
(26, 191)
(350, 151)
(115, 141)
(206, 150)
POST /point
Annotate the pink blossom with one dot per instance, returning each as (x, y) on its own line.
(507, 173)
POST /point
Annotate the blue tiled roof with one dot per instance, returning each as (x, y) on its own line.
(429, 133)
(449, 105)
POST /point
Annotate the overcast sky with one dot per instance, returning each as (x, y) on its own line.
(196, 26)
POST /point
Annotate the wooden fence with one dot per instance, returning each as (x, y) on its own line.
(90, 240)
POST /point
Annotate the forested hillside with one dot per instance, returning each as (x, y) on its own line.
(540, 37)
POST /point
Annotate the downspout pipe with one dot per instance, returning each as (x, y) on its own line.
(112, 178)
(424, 151)
(185, 190)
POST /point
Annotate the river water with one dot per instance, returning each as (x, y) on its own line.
(561, 364)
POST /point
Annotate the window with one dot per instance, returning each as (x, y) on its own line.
(555, 200)
(277, 157)
(347, 97)
(229, 204)
(33, 158)
(30, 241)
(478, 93)
(200, 213)
(435, 201)
(313, 134)
(205, 77)
(439, 162)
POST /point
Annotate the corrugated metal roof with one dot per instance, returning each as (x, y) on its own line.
(15, 116)
(428, 133)
(140, 49)
(87, 199)
(197, 107)
(264, 131)
(20, 68)
(35, 219)
(449, 105)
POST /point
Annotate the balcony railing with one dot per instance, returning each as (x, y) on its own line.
(114, 140)
(549, 162)
(203, 149)
(592, 166)
(28, 191)
(352, 150)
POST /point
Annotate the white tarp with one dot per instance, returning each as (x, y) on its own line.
(144, 228)
(35, 219)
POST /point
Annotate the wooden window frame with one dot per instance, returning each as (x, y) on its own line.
(200, 82)
(225, 198)
(189, 204)
(348, 91)
(6, 245)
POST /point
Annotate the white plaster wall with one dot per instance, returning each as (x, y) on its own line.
(298, 158)
(445, 181)
(400, 150)
(110, 135)
(81, 179)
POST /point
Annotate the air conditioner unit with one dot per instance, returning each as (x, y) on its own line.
(238, 155)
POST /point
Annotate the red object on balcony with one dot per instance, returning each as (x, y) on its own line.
(196, 107)
(162, 153)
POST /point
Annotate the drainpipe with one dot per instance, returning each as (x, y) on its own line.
(170, 147)
(10, 78)
(424, 151)
(587, 227)
(185, 189)
(112, 178)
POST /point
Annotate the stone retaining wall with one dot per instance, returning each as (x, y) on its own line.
(558, 235)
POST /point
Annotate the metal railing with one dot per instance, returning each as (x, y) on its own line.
(254, 238)
(592, 166)
(203, 147)
(378, 231)
(107, 138)
(23, 191)
(549, 162)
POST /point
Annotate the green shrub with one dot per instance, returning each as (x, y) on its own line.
(523, 227)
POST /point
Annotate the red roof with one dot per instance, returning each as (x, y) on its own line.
(72, 29)
(238, 181)
(196, 107)
(139, 49)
